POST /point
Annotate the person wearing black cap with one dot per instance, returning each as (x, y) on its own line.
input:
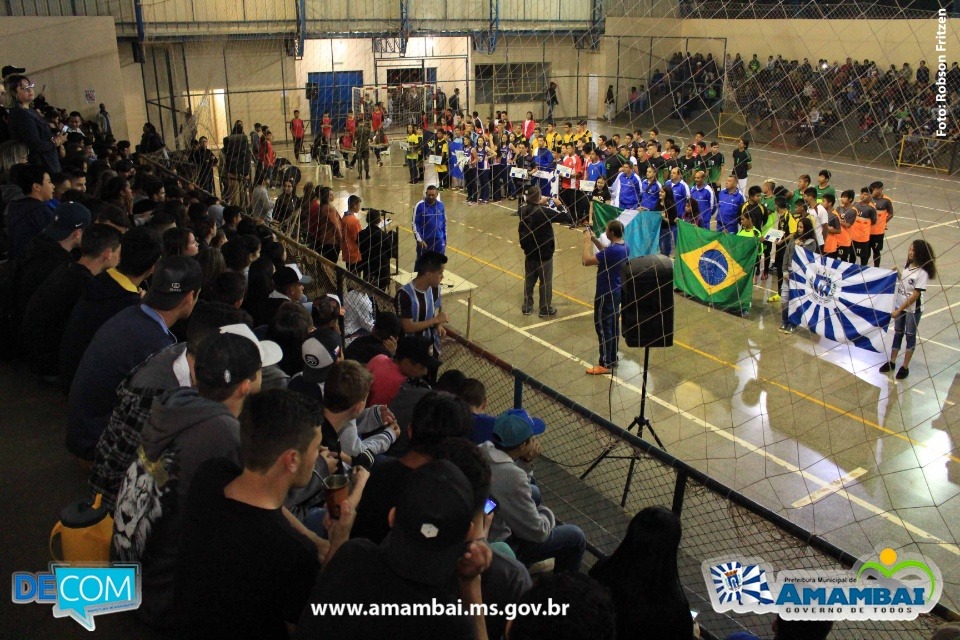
(415, 358)
(44, 254)
(417, 563)
(243, 571)
(287, 285)
(529, 527)
(187, 427)
(122, 343)
(106, 295)
(164, 371)
(382, 341)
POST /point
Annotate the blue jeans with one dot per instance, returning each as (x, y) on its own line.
(606, 320)
(668, 239)
(906, 323)
(565, 544)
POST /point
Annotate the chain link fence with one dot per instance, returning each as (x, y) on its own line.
(602, 497)
(716, 520)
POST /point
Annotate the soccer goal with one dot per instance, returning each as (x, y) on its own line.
(404, 103)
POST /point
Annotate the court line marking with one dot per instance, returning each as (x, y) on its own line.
(834, 487)
(923, 229)
(537, 325)
(805, 396)
(792, 468)
(933, 313)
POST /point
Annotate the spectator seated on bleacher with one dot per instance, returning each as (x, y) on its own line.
(419, 561)
(28, 214)
(121, 344)
(374, 430)
(48, 308)
(162, 372)
(528, 527)
(643, 577)
(107, 294)
(381, 341)
(187, 427)
(413, 360)
(474, 393)
(405, 403)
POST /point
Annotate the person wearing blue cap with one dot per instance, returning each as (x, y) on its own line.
(528, 527)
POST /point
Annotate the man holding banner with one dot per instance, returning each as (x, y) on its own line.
(606, 302)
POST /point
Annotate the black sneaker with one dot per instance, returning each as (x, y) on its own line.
(888, 367)
(525, 310)
(903, 373)
(550, 311)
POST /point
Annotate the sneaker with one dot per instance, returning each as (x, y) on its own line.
(888, 367)
(550, 311)
(598, 370)
(786, 328)
(902, 373)
(525, 310)
(774, 298)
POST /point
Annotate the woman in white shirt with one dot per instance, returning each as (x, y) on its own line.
(912, 283)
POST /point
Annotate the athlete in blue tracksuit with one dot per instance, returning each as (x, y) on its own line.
(544, 160)
(626, 189)
(650, 188)
(705, 197)
(430, 224)
(681, 193)
(729, 203)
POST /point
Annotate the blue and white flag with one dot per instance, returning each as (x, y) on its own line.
(840, 301)
(735, 583)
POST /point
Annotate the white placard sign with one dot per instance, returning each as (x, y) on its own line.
(436, 159)
(587, 185)
(564, 171)
(518, 172)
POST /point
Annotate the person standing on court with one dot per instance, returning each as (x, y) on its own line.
(538, 244)
(606, 302)
(430, 223)
(911, 285)
(742, 162)
(884, 207)
(297, 130)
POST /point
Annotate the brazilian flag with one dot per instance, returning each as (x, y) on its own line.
(715, 267)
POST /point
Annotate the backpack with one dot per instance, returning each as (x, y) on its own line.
(148, 490)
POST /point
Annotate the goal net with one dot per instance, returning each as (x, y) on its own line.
(403, 104)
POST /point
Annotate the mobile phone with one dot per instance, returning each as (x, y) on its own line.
(490, 506)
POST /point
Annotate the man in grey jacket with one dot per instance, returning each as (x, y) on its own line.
(187, 427)
(527, 526)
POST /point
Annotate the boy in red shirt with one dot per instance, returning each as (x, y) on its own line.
(296, 130)
(351, 235)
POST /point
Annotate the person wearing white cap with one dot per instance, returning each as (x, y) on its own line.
(187, 427)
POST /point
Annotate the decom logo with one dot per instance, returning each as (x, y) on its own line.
(888, 586)
(81, 591)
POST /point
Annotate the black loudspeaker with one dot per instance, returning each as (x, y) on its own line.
(646, 314)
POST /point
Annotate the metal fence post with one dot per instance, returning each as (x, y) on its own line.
(678, 490)
(341, 292)
(517, 391)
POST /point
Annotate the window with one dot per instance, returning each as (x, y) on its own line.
(508, 83)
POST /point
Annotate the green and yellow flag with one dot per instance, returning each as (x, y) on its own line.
(715, 267)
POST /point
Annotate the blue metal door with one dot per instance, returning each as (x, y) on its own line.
(334, 93)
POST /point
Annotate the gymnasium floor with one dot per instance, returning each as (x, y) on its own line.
(807, 427)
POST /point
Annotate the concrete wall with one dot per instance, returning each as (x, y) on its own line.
(69, 56)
